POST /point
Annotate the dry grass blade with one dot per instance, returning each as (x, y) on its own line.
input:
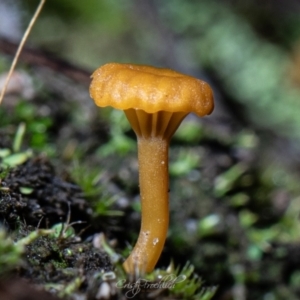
(24, 38)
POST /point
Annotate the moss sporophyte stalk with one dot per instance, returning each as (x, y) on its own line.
(155, 102)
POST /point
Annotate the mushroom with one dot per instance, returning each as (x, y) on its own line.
(155, 101)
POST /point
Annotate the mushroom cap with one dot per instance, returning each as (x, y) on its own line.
(151, 89)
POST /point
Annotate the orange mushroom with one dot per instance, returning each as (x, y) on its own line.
(155, 102)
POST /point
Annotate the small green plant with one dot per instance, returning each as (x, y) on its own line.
(11, 252)
(181, 283)
(192, 286)
(10, 158)
(119, 143)
(88, 179)
(185, 163)
(36, 125)
(225, 181)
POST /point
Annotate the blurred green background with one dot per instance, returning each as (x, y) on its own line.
(248, 50)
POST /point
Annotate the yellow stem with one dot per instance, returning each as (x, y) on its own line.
(154, 185)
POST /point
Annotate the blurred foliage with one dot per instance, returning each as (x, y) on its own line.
(89, 180)
(31, 127)
(253, 71)
(11, 251)
(119, 143)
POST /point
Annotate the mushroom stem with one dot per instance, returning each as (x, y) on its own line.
(154, 185)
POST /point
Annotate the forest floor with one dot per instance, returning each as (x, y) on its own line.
(69, 202)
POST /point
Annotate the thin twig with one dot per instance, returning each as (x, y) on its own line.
(24, 38)
(45, 59)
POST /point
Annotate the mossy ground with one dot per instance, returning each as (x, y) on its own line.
(231, 217)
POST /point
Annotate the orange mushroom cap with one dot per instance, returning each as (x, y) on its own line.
(151, 89)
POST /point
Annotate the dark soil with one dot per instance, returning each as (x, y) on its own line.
(52, 200)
